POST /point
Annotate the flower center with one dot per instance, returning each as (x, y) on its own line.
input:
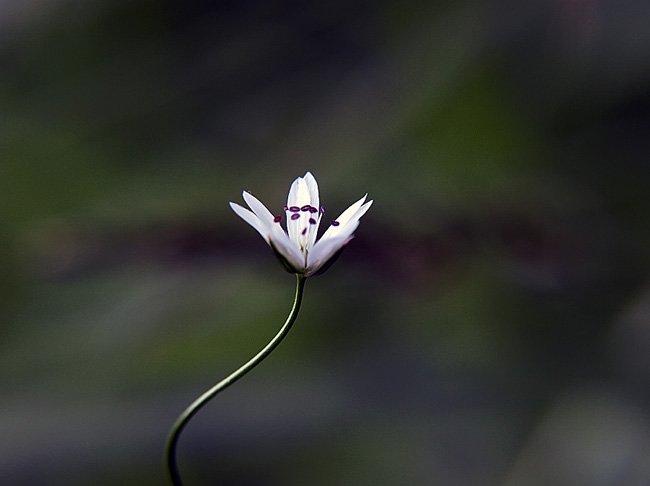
(313, 214)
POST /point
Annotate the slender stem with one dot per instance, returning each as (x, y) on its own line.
(196, 405)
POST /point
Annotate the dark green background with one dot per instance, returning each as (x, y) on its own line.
(490, 323)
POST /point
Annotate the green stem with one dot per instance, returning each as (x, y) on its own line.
(196, 405)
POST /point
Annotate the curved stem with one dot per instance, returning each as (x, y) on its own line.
(196, 405)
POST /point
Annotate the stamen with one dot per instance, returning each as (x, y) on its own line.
(335, 223)
(294, 209)
(305, 208)
(322, 210)
(304, 230)
(312, 209)
(285, 208)
(312, 221)
(277, 219)
(295, 216)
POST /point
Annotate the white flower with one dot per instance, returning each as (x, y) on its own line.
(298, 250)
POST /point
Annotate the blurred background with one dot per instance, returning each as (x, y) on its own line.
(490, 323)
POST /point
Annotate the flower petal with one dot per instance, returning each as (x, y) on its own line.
(252, 219)
(291, 252)
(274, 235)
(312, 187)
(278, 238)
(300, 196)
(258, 208)
(315, 214)
(350, 216)
(324, 250)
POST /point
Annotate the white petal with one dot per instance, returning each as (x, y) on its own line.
(274, 235)
(346, 233)
(252, 219)
(312, 231)
(277, 236)
(287, 248)
(350, 216)
(258, 208)
(337, 236)
(303, 192)
(323, 251)
(351, 212)
(312, 228)
(312, 187)
(297, 192)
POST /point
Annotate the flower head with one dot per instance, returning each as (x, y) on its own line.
(297, 247)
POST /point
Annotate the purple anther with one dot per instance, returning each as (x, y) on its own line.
(285, 208)
(305, 208)
(312, 209)
(295, 216)
(312, 221)
(322, 210)
(335, 223)
(277, 219)
(304, 230)
(294, 209)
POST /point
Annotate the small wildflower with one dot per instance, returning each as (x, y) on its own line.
(297, 248)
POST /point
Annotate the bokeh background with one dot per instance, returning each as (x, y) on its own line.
(490, 323)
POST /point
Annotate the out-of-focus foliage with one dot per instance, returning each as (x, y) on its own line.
(490, 323)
